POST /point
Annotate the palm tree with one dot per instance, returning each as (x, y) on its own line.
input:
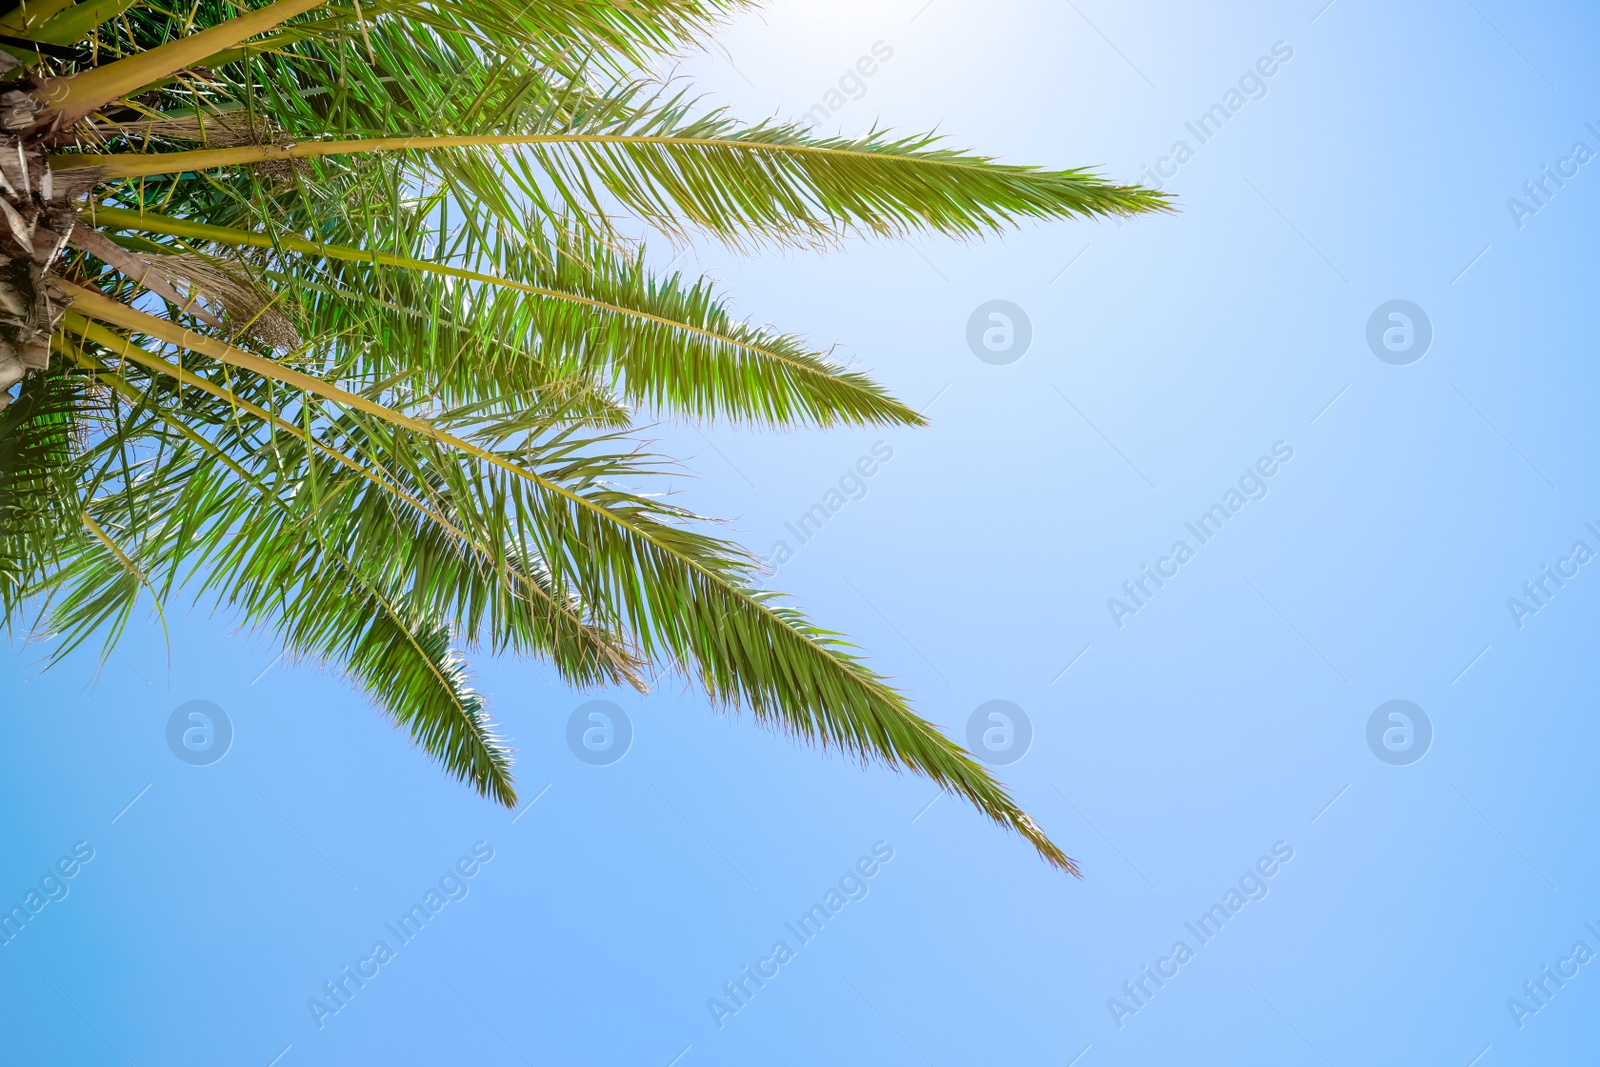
(330, 311)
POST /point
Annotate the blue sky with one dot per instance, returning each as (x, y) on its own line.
(1225, 718)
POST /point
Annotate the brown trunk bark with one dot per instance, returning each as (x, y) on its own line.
(35, 220)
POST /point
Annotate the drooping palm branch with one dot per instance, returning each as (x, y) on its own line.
(333, 313)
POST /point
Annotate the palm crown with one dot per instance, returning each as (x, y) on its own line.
(326, 311)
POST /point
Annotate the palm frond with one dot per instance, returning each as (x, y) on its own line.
(391, 243)
(41, 465)
(759, 185)
(662, 343)
(455, 558)
(67, 99)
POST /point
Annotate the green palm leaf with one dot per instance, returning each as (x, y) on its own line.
(41, 468)
(386, 244)
(661, 343)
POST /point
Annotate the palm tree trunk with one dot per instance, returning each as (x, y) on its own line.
(35, 221)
